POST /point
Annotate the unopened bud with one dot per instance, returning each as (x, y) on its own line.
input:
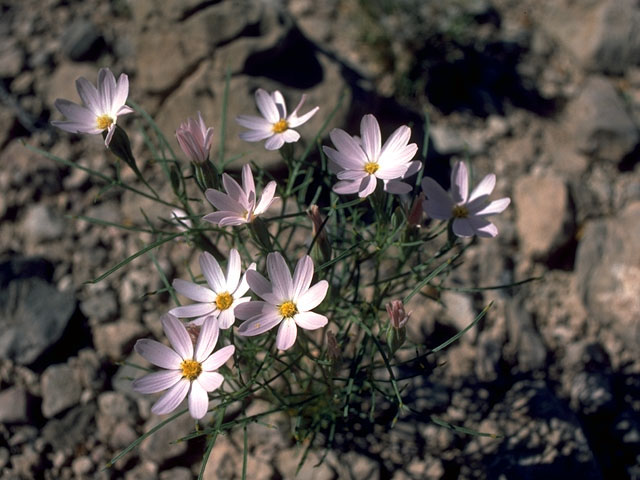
(396, 333)
(195, 139)
(415, 212)
(321, 250)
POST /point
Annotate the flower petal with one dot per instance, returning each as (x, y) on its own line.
(290, 136)
(193, 291)
(257, 125)
(279, 275)
(278, 99)
(158, 354)
(252, 309)
(198, 401)
(248, 185)
(459, 183)
(121, 93)
(259, 285)
(226, 318)
(397, 187)
(194, 310)
(206, 339)
(484, 188)
(295, 121)
(170, 400)
(346, 187)
(371, 138)
(156, 382)
(224, 218)
(234, 190)
(267, 198)
(313, 297)
(89, 96)
(396, 142)
(267, 106)
(233, 270)
(483, 227)
(223, 201)
(106, 89)
(367, 186)
(77, 114)
(495, 207)
(462, 227)
(213, 273)
(243, 287)
(178, 336)
(219, 358)
(287, 333)
(310, 320)
(260, 323)
(302, 276)
(210, 381)
(438, 203)
(274, 142)
(352, 156)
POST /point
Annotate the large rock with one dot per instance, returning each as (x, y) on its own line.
(608, 270)
(33, 313)
(544, 217)
(60, 389)
(600, 123)
(603, 35)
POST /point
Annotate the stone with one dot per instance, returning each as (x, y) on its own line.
(446, 140)
(122, 436)
(287, 464)
(11, 59)
(600, 123)
(41, 223)
(159, 447)
(82, 41)
(62, 84)
(70, 430)
(176, 473)
(60, 390)
(544, 219)
(116, 339)
(33, 316)
(101, 306)
(524, 339)
(81, 466)
(591, 393)
(460, 312)
(14, 406)
(608, 273)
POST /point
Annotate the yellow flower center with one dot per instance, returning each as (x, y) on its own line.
(191, 369)
(280, 126)
(104, 121)
(288, 309)
(224, 300)
(460, 211)
(371, 167)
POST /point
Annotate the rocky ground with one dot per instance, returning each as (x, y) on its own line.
(545, 93)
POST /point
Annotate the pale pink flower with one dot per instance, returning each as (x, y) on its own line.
(239, 205)
(222, 295)
(195, 139)
(397, 315)
(287, 301)
(102, 107)
(360, 163)
(469, 212)
(274, 125)
(189, 371)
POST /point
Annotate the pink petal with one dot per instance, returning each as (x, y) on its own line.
(279, 275)
(290, 136)
(280, 103)
(243, 287)
(287, 333)
(267, 198)
(170, 400)
(233, 270)
(106, 89)
(351, 175)
(257, 125)
(194, 310)
(295, 121)
(89, 96)
(259, 285)
(156, 382)
(313, 297)
(462, 227)
(396, 143)
(483, 227)
(224, 218)
(274, 142)
(371, 141)
(484, 188)
(210, 381)
(158, 354)
(226, 318)
(302, 276)
(219, 358)
(248, 185)
(438, 204)
(352, 156)
(414, 167)
(267, 106)
(206, 339)
(495, 207)
(346, 187)
(392, 171)
(259, 324)
(122, 91)
(77, 114)
(198, 401)
(310, 320)
(193, 291)
(367, 186)
(252, 309)
(397, 187)
(222, 201)
(254, 135)
(459, 183)
(234, 190)
(213, 273)
(178, 336)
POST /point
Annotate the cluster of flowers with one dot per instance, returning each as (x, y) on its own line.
(287, 300)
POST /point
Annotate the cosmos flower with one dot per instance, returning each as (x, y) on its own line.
(287, 301)
(360, 163)
(102, 107)
(397, 314)
(221, 297)
(188, 371)
(469, 212)
(275, 126)
(238, 205)
(195, 139)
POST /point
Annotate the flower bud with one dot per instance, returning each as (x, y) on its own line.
(415, 212)
(321, 250)
(396, 333)
(195, 139)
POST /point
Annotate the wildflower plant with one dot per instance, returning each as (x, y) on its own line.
(324, 342)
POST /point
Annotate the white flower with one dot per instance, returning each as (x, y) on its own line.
(223, 295)
(195, 139)
(103, 105)
(276, 126)
(469, 212)
(287, 302)
(238, 205)
(361, 163)
(188, 371)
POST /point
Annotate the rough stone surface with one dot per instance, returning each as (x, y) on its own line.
(14, 406)
(60, 390)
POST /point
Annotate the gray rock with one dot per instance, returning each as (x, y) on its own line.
(116, 339)
(524, 339)
(600, 123)
(608, 273)
(116, 406)
(11, 59)
(591, 393)
(177, 473)
(60, 390)
(82, 40)
(81, 466)
(33, 316)
(446, 140)
(14, 406)
(41, 223)
(70, 430)
(544, 219)
(100, 306)
(159, 447)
